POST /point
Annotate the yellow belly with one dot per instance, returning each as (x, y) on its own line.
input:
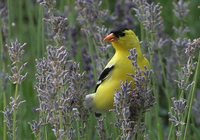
(104, 97)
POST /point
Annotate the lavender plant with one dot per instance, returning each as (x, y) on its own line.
(89, 14)
(87, 66)
(131, 103)
(152, 32)
(49, 5)
(154, 41)
(195, 109)
(16, 51)
(10, 116)
(101, 129)
(181, 9)
(122, 15)
(195, 44)
(60, 91)
(149, 15)
(57, 23)
(3, 39)
(92, 17)
(4, 20)
(176, 115)
(75, 30)
(185, 85)
(59, 85)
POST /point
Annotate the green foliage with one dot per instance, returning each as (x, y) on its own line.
(80, 28)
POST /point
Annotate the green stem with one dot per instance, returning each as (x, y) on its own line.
(155, 91)
(45, 133)
(192, 96)
(38, 136)
(170, 132)
(9, 3)
(15, 113)
(4, 124)
(78, 130)
(166, 88)
(3, 90)
(60, 119)
(40, 33)
(186, 81)
(181, 96)
(91, 52)
(151, 37)
(20, 17)
(142, 32)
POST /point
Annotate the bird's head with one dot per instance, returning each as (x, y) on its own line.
(123, 39)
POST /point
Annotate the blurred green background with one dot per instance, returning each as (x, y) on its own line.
(25, 22)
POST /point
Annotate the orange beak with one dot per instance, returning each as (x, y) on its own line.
(110, 38)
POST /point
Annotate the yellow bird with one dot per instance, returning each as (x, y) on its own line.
(116, 71)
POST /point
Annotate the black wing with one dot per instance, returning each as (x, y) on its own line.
(103, 76)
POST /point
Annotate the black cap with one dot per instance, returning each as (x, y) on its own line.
(119, 32)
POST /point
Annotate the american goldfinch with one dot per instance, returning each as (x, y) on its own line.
(116, 71)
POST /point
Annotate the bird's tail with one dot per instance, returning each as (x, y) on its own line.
(89, 101)
(89, 104)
